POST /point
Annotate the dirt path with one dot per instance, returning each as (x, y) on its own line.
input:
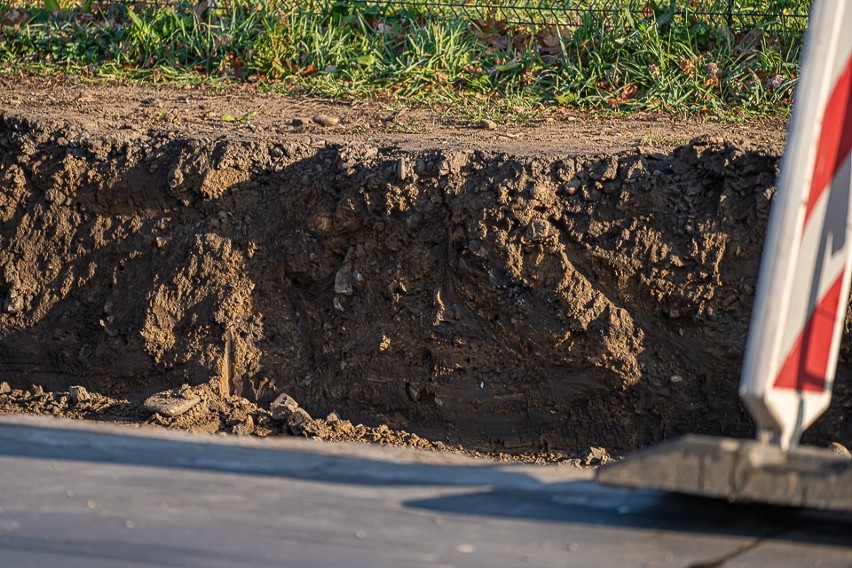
(531, 288)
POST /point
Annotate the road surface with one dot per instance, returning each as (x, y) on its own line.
(87, 495)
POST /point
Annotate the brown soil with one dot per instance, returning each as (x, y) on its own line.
(530, 288)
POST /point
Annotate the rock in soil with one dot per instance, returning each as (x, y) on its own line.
(78, 394)
(171, 403)
(5, 388)
(597, 456)
(840, 450)
(283, 406)
(326, 120)
(300, 423)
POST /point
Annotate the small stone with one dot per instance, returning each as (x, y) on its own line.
(300, 423)
(537, 229)
(676, 379)
(298, 122)
(283, 406)
(326, 120)
(5, 388)
(341, 283)
(571, 187)
(332, 418)
(171, 402)
(839, 449)
(403, 170)
(78, 394)
(36, 390)
(486, 124)
(597, 456)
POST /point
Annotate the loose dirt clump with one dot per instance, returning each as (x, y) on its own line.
(240, 417)
(506, 303)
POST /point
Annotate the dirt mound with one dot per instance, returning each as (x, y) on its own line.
(486, 299)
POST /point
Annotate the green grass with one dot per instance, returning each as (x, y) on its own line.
(474, 66)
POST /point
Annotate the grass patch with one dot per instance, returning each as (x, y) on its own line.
(480, 67)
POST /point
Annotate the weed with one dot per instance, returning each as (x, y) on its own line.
(475, 68)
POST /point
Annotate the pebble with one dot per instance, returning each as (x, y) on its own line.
(403, 170)
(486, 124)
(5, 388)
(836, 448)
(171, 402)
(298, 122)
(341, 283)
(326, 120)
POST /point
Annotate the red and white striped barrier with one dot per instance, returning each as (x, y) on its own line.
(800, 306)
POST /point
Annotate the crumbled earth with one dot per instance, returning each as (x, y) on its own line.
(537, 289)
(241, 417)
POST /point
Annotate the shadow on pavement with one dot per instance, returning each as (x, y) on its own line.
(499, 492)
(587, 503)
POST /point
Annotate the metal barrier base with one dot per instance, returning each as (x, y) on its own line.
(740, 471)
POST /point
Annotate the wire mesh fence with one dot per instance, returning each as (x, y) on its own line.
(735, 15)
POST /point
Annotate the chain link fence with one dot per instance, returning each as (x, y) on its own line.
(735, 15)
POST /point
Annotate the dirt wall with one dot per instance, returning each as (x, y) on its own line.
(493, 300)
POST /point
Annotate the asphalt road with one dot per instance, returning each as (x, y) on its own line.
(84, 495)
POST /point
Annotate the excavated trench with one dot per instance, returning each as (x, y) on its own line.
(485, 299)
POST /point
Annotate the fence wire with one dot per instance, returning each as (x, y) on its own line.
(736, 15)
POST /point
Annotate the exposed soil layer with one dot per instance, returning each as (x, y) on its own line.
(505, 301)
